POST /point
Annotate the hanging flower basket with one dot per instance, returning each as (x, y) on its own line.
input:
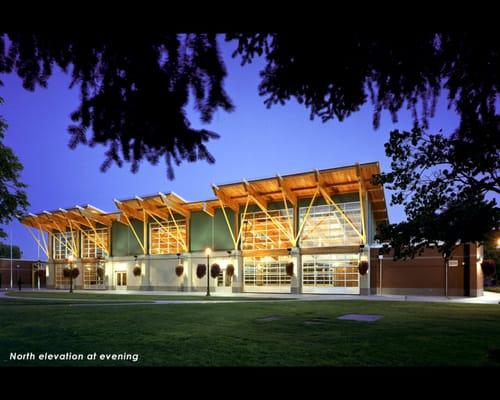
(201, 270)
(137, 271)
(363, 267)
(289, 268)
(179, 270)
(66, 272)
(215, 270)
(75, 272)
(230, 270)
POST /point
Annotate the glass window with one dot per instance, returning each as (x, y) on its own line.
(261, 233)
(266, 271)
(92, 247)
(93, 276)
(325, 226)
(167, 239)
(333, 270)
(61, 245)
(60, 281)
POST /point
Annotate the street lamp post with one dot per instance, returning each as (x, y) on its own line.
(70, 260)
(208, 251)
(17, 277)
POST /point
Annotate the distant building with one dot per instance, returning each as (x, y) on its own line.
(317, 224)
(30, 272)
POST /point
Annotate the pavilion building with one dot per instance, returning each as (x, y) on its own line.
(298, 233)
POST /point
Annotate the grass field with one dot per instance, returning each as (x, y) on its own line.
(235, 334)
(124, 297)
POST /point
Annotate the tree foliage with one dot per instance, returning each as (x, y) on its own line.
(443, 184)
(335, 74)
(13, 199)
(5, 251)
(134, 89)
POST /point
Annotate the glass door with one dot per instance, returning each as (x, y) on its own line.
(121, 280)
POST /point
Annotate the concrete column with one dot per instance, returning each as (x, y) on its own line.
(187, 280)
(364, 280)
(296, 281)
(146, 277)
(237, 283)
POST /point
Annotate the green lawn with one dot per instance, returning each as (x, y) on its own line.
(122, 297)
(410, 334)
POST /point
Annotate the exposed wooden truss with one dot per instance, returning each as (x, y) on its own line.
(329, 200)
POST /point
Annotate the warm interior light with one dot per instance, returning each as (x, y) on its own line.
(208, 251)
(498, 242)
(71, 258)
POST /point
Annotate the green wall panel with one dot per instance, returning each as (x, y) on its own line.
(222, 236)
(211, 232)
(123, 241)
(200, 230)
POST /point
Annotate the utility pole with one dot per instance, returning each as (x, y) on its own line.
(11, 257)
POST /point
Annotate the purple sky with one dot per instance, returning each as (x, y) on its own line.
(255, 142)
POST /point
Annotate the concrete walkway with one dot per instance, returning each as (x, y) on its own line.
(488, 298)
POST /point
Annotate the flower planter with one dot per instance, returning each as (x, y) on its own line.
(215, 270)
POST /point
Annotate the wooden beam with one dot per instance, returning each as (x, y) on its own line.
(288, 196)
(45, 248)
(174, 207)
(362, 195)
(226, 201)
(94, 217)
(262, 204)
(76, 217)
(129, 211)
(287, 192)
(153, 210)
(210, 210)
(256, 197)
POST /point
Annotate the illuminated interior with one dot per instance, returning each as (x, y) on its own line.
(93, 243)
(325, 226)
(167, 238)
(266, 271)
(337, 271)
(62, 245)
(261, 233)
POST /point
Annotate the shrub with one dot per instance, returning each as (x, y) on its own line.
(230, 270)
(201, 270)
(363, 267)
(215, 270)
(137, 271)
(489, 267)
(289, 268)
(179, 270)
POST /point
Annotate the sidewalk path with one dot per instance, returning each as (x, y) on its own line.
(488, 298)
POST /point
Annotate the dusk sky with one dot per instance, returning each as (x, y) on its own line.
(255, 142)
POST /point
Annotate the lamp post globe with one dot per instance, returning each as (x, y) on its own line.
(208, 252)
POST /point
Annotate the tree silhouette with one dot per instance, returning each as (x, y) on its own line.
(13, 199)
(134, 89)
(443, 182)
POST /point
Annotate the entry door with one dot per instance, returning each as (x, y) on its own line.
(121, 280)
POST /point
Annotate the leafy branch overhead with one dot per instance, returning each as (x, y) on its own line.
(445, 186)
(134, 89)
(13, 199)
